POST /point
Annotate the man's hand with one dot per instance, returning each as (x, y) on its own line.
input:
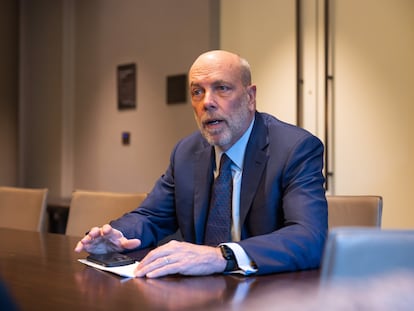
(181, 258)
(105, 240)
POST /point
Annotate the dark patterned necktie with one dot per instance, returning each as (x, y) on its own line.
(219, 216)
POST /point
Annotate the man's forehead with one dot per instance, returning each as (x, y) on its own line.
(215, 73)
(213, 77)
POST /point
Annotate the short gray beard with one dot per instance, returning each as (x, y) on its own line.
(237, 127)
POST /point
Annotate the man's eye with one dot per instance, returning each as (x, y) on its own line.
(196, 92)
(223, 88)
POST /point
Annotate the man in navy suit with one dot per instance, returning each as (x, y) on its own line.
(279, 209)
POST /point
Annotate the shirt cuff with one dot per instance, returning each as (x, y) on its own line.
(243, 260)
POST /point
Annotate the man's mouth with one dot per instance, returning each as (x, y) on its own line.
(213, 122)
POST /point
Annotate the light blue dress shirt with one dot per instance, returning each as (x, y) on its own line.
(236, 154)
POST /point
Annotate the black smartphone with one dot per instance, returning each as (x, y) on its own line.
(110, 259)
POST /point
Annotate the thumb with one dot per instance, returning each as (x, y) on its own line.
(131, 243)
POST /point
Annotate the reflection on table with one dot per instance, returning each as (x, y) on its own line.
(391, 291)
(41, 272)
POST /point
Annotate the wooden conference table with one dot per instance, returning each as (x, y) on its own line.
(41, 272)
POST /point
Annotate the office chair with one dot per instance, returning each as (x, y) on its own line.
(360, 252)
(93, 208)
(354, 210)
(23, 208)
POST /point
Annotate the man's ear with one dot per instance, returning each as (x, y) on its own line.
(251, 93)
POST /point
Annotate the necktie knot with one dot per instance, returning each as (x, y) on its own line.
(225, 165)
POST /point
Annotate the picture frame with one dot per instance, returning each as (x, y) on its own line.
(176, 89)
(126, 86)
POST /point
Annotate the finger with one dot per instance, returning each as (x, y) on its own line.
(94, 233)
(87, 244)
(158, 258)
(150, 262)
(116, 238)
(95, 241)
(107, 229)
(87, 239)
(104, 239)
(163, 271)
(78, 247)
(159, 267)
(169, 266)
(131, 243)
(154, 255)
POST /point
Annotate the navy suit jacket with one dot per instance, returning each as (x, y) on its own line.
(283, 209)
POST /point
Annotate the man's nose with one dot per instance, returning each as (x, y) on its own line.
(209, 101)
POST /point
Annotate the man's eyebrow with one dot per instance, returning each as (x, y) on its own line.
(216, 82)
(194, 84)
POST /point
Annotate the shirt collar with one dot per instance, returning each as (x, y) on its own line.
(237, 151)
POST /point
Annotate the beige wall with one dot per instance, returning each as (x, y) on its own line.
(72, 127)
(77, 145)
(373, 44)
(374, 103)
(40, 116)
(264, 32)
(8, 91)
(162, 38)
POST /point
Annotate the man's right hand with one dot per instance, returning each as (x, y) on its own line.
(105, 240)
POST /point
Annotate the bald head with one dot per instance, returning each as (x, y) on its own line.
(220, 59)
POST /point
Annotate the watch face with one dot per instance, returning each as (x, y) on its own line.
(224, 252)
(227, 252)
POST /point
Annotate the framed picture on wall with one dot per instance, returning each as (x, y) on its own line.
(177, 89)
(126, 80)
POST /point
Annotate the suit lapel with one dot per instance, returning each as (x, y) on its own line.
(254, 164)
(203, 177)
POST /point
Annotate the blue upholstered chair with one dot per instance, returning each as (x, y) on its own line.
(361, 252)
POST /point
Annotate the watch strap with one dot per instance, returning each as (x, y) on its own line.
(230, 258)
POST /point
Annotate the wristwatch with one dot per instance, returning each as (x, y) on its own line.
(230, 258)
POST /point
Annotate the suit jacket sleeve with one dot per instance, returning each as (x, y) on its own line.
(178, 200)
(285, 222)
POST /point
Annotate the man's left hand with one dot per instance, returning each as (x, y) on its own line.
(181, 258)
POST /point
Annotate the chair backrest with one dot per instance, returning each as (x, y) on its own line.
(354, 210)
(23, 208)
(364, 252)
(93, 208)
